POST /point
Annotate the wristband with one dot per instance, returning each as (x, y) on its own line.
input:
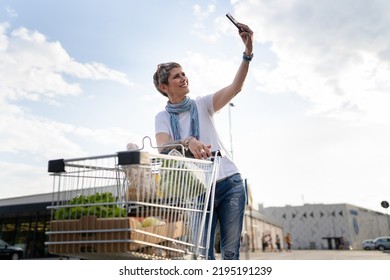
(187, 142)
(247, 57)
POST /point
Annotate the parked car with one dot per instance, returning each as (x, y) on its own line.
(10, 252)
(368, 244)
(382, 243)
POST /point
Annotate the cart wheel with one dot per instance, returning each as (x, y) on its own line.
(14, 256)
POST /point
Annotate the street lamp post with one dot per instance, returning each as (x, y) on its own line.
(230, 129)
(386, 205)
(250, 214)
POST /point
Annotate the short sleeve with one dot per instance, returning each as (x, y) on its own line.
(161, 123)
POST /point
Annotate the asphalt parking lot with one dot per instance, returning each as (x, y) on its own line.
(300, 255)
(317, 255)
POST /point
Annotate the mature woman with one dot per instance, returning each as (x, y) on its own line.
(190, 123)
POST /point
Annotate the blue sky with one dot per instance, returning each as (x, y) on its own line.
(311, 125)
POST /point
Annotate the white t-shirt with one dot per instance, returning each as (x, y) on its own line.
(207, 131)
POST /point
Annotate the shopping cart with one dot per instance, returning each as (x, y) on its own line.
(132, 205)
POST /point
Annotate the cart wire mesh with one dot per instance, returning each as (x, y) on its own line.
(132, 205)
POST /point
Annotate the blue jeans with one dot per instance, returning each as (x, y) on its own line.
(229, 209)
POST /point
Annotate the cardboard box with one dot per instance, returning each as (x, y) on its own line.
(90, 234)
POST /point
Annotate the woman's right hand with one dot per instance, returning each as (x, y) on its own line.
(198, 149)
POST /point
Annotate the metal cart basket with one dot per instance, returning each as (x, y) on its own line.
(132, 205)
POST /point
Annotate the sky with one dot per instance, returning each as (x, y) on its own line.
(311, 125)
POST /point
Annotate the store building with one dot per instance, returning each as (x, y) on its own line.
(24, 221)
(259, 228)
(329, 226)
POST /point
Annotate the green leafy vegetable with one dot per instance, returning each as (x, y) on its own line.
(105, 208)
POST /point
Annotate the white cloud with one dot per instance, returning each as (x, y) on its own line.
(44, 139)
(331, 53)
(34, 68)
(3, 37)
(31, 67)
(207, 75)
(202, 27)
(11, 12)
(203, 13)
(33, 135)
(20, 179)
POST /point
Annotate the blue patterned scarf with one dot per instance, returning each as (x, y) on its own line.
(175, 109)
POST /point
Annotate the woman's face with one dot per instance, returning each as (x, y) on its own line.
(177, 87)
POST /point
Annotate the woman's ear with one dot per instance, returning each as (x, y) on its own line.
(163, 87)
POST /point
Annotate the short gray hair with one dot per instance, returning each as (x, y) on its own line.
(162, 74)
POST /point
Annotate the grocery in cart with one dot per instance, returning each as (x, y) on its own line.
(132, 205)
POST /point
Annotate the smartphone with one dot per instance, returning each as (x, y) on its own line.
(234, 21)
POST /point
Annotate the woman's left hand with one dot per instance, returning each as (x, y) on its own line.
(246, 35)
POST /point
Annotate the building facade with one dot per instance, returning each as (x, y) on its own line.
(24, 221)
(329, 226)
(260, 229)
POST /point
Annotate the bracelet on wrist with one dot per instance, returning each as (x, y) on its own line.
(187, 142)
(247, 57)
